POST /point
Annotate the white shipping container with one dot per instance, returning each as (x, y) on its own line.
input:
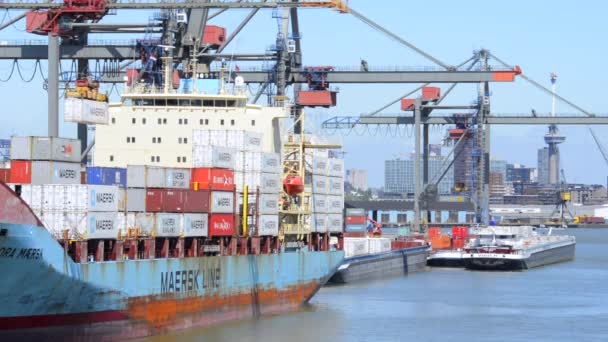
(213, 156)
(319, 184)
(354, 247)
(200, 137)
(320, 166)
(319, 204)
(336, 167)
(52, 172)
(239, 180)
(218, 138)
(45, 148)
(268, 225)
(244, 140)
(141, 176)
(168, 225)
(379, 245)
(271, 163)
(239, 161)
(143, 222)
(196, 225)
(269, 204)
(104, 225)
(335, 223)
(318, 223)
(222, 202)
(270, 183)
(336, 186)
(335, 204)
(104, 198)
(86, 111)
(177, 178)
(33, 193)
(136, 200)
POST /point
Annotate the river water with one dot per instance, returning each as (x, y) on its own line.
(562, 302)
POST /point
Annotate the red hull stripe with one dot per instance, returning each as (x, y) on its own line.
(26, 322)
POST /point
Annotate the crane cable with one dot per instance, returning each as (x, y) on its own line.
(543, 88)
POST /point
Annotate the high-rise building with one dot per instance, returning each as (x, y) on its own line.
(394, 176)
(517, 173)
(499, 166)
(543, 165)
(399, 175)
(357, 178)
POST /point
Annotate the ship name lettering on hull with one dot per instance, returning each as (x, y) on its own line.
(189, 280)
(21, 253)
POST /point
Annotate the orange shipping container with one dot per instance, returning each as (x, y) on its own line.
(434, 231)
(5, 175)
(441, 242)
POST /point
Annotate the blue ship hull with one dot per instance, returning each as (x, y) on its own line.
(46, 295)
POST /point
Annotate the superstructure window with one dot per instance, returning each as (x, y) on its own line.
(179, 159)
(165, 121)
(158, 139)
(160, 121)
(128, 140)
(113, 120)
(207, 103)
(172, 102)
(222, 122)
(179, 140)
(143, 121)
(206, 121)
(154, 140)
(179, 122)
(184, 103)
(133, 120)
(160, 102)
(201, 121)
(184, 159)
(152, 159)
(232, 122)
(185, 140)
(185, 121)
(220, 103)
(196, 103)
(157, 159)
(133, 139)
(111, 158)
(231, 103)
(252, 122)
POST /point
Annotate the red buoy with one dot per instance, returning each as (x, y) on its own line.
(293, 185)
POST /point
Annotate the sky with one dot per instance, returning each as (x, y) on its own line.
(540, 36)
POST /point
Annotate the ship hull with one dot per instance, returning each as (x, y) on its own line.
(488, 262)
(46, 295)
(375, 266)
(445, 259)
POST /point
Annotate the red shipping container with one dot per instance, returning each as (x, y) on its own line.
(221, 225)
(5, 175)
(355, 235)
(431, 93)
(317, 98)
(214, 35)
(407, 104)
(21, 172)
(174, 201)
(212, 179)
(197, 202)
(154, 200)
(356, 220)
(460, 232)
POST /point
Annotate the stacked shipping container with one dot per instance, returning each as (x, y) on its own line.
(355, 220)
(325, 180)
(259, 170)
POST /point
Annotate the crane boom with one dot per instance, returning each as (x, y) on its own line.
(599, 145)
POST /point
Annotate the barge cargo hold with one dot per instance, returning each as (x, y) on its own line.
(396, 261)
(49, 296)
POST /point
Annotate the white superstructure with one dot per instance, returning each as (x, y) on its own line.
(155, 126)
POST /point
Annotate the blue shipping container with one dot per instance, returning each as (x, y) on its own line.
(355, 228)
(107, 176)
(5, 149)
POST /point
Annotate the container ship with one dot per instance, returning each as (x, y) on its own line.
(198, 209)
(369, 255)
(505, 248)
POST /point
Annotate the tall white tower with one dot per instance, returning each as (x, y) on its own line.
(553, 138)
